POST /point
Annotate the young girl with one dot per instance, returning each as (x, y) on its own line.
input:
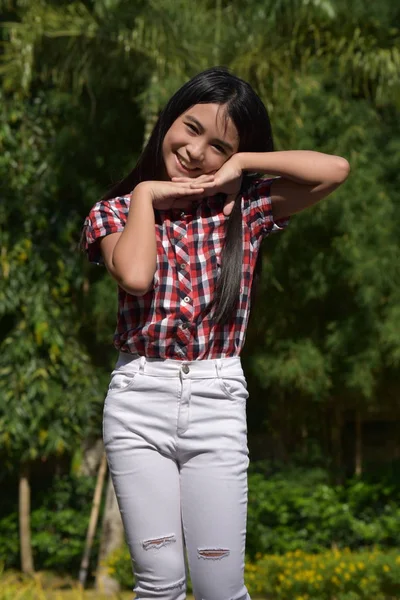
(181, 235)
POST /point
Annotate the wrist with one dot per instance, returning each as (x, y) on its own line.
(237, 161)
(143, 190)
(260, 162)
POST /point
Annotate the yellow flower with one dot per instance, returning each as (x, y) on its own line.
(386, 568)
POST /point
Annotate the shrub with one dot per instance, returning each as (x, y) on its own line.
(342, 575)
(119, 566)
(290, 510)
(58, 525)
(300, 510)
(334, 574)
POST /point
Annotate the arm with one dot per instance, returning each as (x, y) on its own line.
(306, 176)
(131, 256)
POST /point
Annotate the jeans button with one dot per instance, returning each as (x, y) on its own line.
(185, 369)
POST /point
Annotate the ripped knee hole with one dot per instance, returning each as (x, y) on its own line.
(158, 542)
(213, 553)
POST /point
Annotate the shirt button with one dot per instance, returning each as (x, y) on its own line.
(182, 266)
(185, 326)
(185, 369)
(186, 299)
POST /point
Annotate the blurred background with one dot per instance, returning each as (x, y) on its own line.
(82, 84)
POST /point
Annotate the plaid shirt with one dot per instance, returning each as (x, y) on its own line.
(173, 319)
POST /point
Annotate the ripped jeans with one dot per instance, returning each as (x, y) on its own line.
(175, 435)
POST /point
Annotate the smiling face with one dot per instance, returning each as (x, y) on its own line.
(200, 141)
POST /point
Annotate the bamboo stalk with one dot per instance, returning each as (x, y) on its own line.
(93, 520)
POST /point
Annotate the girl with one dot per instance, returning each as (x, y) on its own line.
(181, 235)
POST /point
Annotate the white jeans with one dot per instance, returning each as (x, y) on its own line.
(175, 435)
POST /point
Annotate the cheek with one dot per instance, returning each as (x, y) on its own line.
(173, 139)
(216, 161)
(166, 143)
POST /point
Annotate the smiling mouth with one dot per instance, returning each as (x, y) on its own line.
(183, 165)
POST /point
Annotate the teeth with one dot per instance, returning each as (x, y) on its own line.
(184, 164)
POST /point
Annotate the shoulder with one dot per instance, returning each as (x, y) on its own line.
(115, 207)
(104, 218)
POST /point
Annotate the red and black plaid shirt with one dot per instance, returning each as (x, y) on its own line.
(173, 319)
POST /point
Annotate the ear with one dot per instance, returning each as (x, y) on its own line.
(229, 204)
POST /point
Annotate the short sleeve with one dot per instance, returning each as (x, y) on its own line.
(107, 216)
(257, 210)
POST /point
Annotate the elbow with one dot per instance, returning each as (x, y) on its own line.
(135, 288)
(137, 284)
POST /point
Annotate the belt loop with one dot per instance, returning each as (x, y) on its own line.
(218, 365)
(142, 362)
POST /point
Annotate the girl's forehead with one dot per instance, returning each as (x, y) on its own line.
(214, 119)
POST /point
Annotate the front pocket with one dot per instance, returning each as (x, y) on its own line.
(121, 381)
(234, 388)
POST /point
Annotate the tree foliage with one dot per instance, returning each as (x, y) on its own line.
(81, 84)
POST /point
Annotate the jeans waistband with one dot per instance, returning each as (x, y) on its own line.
(196, 369)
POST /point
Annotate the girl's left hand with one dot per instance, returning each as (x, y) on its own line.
(227, 180)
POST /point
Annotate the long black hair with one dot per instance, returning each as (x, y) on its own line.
(249, 115)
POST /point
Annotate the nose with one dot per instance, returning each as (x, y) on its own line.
(195, 152)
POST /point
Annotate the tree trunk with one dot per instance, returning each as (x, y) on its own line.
(25, 520)
(358, 448)
(93, 520)
(112, 537)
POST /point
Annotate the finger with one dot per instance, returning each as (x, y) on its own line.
(178, 186)
(207, 185)
(200, 179)
(185, 182)
(187, 191)
(228, 206)
(202, 176)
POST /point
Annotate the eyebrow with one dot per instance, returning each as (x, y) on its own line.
(201, 128)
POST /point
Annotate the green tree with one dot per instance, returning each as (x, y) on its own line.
(48, 389)
(324, 334)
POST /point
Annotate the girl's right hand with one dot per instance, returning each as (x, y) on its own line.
(169, 194)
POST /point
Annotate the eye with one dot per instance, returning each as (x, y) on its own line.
(219, 148)
(191, 127)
